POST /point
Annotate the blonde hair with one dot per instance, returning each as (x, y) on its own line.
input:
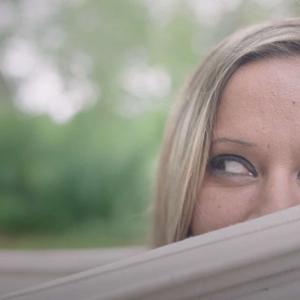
(186, 144)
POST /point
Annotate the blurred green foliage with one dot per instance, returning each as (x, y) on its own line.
(88, 181)
(54, 177)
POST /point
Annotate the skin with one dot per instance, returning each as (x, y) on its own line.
(258, 119)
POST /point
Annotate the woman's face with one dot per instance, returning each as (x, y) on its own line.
(254, 166)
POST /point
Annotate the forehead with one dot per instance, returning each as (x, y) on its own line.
(261, 96)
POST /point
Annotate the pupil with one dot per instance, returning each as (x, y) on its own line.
(219, 164)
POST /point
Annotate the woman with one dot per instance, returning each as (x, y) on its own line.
(231, 150)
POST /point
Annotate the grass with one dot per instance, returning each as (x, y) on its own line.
(92, 234)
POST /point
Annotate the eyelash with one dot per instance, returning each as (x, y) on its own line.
(214, 165)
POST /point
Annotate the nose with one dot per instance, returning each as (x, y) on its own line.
(279, 191)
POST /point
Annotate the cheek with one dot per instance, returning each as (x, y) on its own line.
(218, 208)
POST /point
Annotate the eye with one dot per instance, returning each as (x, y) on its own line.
(231, 165)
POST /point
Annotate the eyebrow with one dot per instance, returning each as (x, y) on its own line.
(236, 141)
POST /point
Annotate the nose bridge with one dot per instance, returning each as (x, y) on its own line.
(280, 191)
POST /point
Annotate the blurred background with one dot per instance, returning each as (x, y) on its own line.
(85, 88)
